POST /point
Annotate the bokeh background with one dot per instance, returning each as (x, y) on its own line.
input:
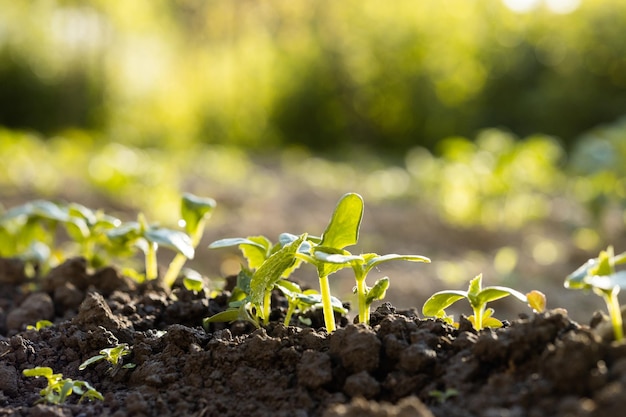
(488, 135)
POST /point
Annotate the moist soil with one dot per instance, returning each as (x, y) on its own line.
(402, 365)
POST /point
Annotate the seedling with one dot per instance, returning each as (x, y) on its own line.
(362, 267)
(478, 298)
(442, 396)
(41, 324)
(148, 238)
(194, 211)
(59, 388)
(600, 276)
(114, 355)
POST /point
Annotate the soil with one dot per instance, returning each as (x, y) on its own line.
(402, 365)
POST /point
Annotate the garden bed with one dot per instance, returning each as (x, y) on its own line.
(539, 365)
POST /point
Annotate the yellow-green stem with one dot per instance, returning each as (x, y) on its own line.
(478, 317)
(615, 312)
(329, 315)
(152, 269)
(267, 301)
(290, 310)
(364, 310)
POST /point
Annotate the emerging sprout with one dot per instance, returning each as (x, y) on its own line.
(600, 276)
(59, 388)
(114, 355)
(478, 298)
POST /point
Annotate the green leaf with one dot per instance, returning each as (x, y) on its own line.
(193, 209)
(89, 361)
(576, 280)
(378, 291)
(173, 239)
(39, 371)
(192, 280)
(441, 300)
(256, 254)
(608, 282)
(272, 270)
(343, 229)
(125, 234)
(378, 259)
(494, 293)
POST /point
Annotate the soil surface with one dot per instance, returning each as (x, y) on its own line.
(403, 365)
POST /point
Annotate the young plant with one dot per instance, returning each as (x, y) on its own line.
(41, 324)
(194, 212)
(478, 297)
(599, 275)
(362, 266)
(114, 355)
(59, 388)
(329, 255)
(148, 238)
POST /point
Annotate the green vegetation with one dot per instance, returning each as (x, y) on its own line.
(478, 297)
(600, 276)
(273, 263)
(41, 324)
(114, 355)
(59, 388)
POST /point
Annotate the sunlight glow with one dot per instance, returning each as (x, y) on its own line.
(555, 6)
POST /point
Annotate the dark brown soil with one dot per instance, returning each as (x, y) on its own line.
(541, 365)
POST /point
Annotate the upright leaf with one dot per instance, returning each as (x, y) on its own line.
(273, 269)
(343, 229)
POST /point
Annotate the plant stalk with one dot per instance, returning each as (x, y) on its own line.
(478, 317)
(615, 312)
(329, 316)
(290, 310)
(364, 310)
(152, 269)
(267, 301)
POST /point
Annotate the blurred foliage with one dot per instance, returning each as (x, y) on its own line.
(324, 74)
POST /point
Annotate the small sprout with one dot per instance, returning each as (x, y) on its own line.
(41, 324)
(59, 388)
(114, 355)
(148, 238)
(442, 396)
(478, 298)
(600, 276)
(194, 213)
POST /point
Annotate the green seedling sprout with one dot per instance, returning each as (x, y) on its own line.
(59, 388)
(41, 324)
(600, 276)
(362, 266)
(148, 238)
(114, 355)
(329, 255)
(194, 211)
(478, 298)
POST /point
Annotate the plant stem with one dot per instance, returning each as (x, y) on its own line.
(329, 316)
(267, 301)
(152, 269)
(364, 310)
(478, 317)
(290, 310)
(615, 312)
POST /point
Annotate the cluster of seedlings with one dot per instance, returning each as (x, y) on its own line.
(29, 231)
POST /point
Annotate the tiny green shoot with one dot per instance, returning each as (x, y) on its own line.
(114, 355)
(59, 388)
(478, 297)
(599, 275)
(300, 301)
(148, 238)
(41, 324)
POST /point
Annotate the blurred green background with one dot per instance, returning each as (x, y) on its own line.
(488, 135)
